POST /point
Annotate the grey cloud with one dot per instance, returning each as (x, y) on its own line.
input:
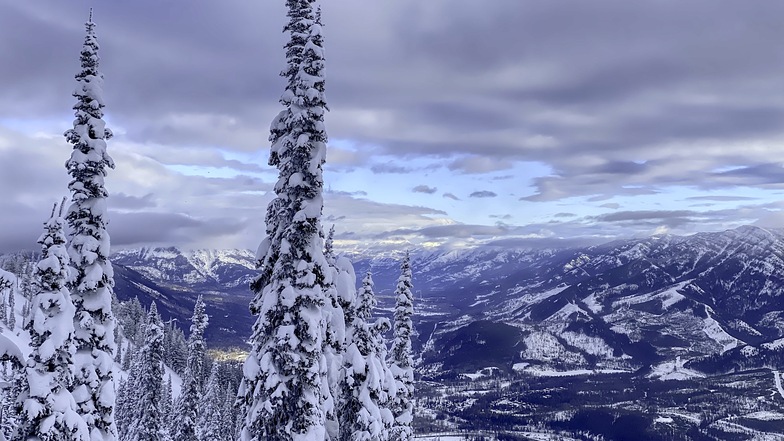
(21, 231)
(593, 230)
(483, 194)
(757, 174)
(389, 168)
(447, 231)
(144, 228)
(644, 215)
(479, 164)
(451, 196)
(551, 188)
(721, 198)
(621, 167)
(424, 189)
(625, 191)
(611, 205)
(682, 220)
(124, 201)
(345, 193)
(333, 218)
(545, 243)
(346, 158)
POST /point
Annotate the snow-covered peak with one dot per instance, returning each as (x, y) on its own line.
(206, 260)
(231, 267)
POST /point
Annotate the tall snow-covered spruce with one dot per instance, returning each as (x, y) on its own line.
(187, 408)
(48, 408)
(282, 392)
(402, 359)
(367, 385)
(92, 283)
(147, 422)
(211, 409)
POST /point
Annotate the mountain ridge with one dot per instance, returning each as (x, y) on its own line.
(631, 294)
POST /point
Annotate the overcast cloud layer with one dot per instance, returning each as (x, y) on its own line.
(451, 124)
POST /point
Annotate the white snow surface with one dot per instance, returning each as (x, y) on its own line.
(591, 345)
(593, 304)
(564, 313)
(775, 344)
(667, 297)
(777, 380)
(8, 276)
(546, 347)
(10, 349)
(538, 371)
(716, 333)
(674, 370)
(765, 415)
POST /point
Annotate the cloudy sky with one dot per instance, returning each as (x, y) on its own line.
(452, 123)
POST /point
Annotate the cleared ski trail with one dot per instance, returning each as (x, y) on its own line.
(777, 377)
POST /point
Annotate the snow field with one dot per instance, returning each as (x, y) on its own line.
(716, 333)
(777, 380)
(546, 347)
(674, 370)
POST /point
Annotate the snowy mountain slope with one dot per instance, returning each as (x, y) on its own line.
(649, 300)
(196, 268)
(174, 279)
(639, 302)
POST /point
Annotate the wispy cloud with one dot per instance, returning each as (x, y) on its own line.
(483, 194)
(424, 189)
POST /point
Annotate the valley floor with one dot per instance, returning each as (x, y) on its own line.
(740, 406)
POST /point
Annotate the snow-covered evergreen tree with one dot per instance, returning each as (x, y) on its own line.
(187, 408)
(329, 248)
(127, 360)
(367, 385)
(123, 410)
(402, 358)
(175, 348)
(119, 341)
(89, 248)
(285, 389)
(148, 424)
(48, 408)
(11, 309)
(211, 414)
(231, 423)
(131, 317)
(28, 292)
(7, 283)
(127, 410)
(167, 404)
(12, 384)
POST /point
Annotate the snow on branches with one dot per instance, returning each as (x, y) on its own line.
(93, 278)
(284, 392)
(48, 408)
(402, 360)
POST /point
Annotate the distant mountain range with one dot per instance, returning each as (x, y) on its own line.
(664, 305)
(174, 279)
